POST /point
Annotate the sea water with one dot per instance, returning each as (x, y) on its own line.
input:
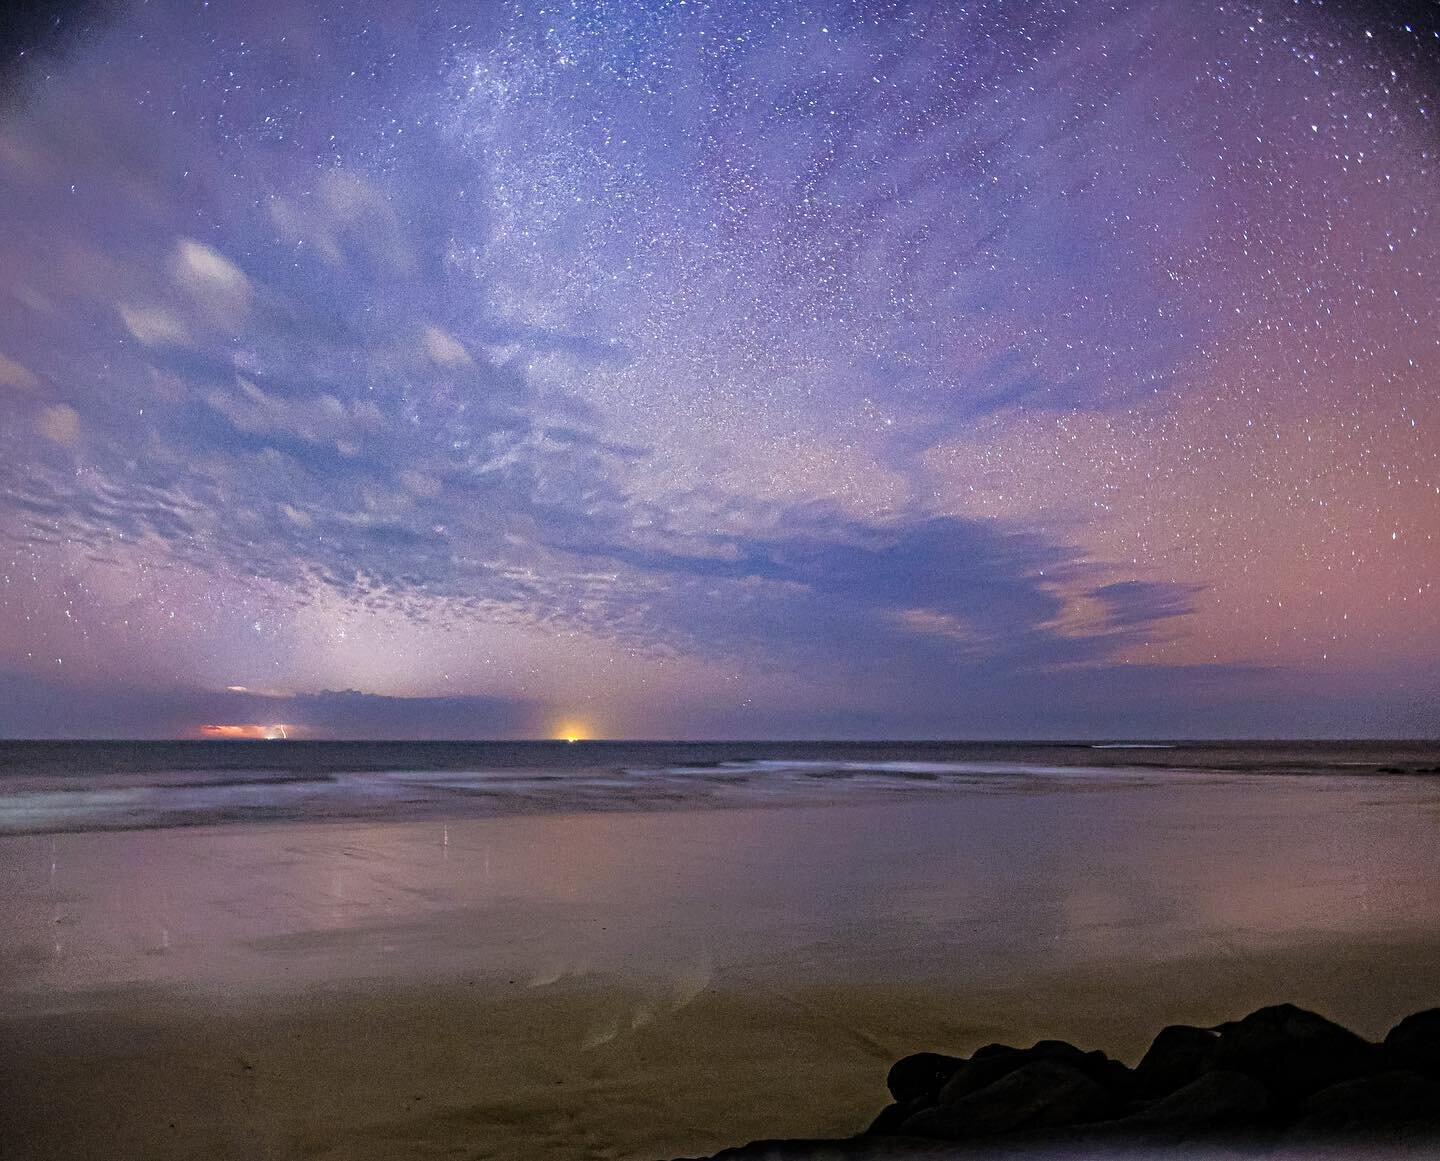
(48, 787)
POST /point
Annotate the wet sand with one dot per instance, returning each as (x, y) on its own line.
(654, 985)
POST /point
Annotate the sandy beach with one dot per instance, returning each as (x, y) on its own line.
(648, 985)
(491, 1069)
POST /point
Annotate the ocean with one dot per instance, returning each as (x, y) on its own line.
(50, 787)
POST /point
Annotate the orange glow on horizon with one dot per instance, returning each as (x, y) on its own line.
(250, 731)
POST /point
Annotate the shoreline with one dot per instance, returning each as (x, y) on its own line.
(147, 788)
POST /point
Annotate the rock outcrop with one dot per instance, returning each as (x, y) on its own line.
(1280, 1081)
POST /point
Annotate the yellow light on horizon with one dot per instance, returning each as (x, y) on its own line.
(572, 731)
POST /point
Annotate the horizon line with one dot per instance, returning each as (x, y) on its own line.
(808, 741)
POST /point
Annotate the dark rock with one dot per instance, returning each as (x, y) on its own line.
(1415, 1042)
(1293, 1052)
(891, 1117)
(1113, 1076)
(998, 1061)
(992, 1050)
(1372, 1107)
(1042, 1094)
(1218, 1100)
(921, 1076)
(1178, 1055)
(1281, 1078)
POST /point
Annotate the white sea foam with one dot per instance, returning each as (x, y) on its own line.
(72, 797)
(167, 801)
(1133, 746)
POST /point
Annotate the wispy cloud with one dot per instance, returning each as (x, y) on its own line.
(656, 330)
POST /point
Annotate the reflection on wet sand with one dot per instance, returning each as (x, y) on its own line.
(997, 879)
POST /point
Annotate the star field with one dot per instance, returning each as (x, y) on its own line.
(721, 369)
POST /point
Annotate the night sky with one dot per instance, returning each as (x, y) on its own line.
(689, 369)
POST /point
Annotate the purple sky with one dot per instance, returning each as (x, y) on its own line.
(744, 370)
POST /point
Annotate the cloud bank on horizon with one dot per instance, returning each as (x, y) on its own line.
(690, 369)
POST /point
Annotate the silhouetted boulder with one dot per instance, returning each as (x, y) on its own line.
(921, 1076)
(1218, 1100)
(1281, 1079)
(993, 1050)
(1045, 1093)
(997, 1061)
(1293, 1052)
(888, 1121)
(1414, 1043)
(1379, 1108)
(1178, 1055)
